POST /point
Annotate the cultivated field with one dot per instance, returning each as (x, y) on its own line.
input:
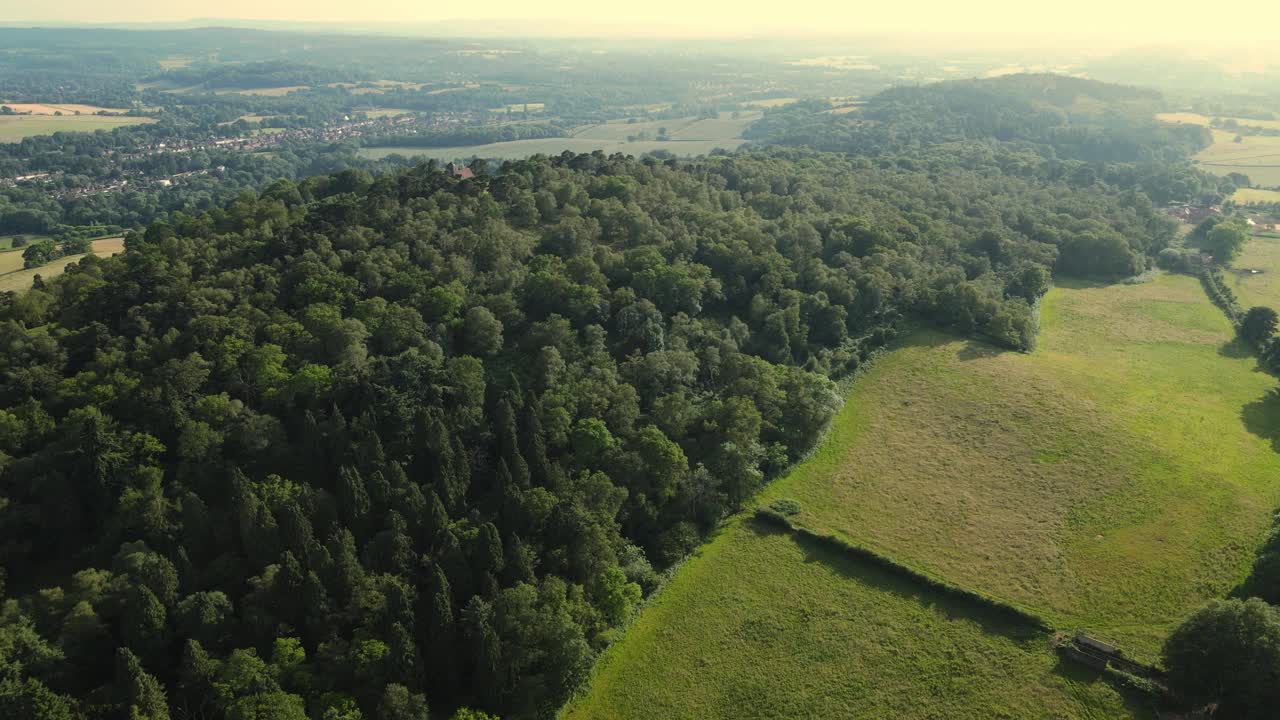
(13, 277)
(64, 108)
(15, 127)
(1113, 480)
(1257, 288)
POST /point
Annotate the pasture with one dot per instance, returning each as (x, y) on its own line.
(1247, 196)
(265, 92)
(1191, 118)
(1257, 288)
(14, 277)
(15, 127)
(688, 137)
(760, 624)
(1114, 479)
(1257, 156)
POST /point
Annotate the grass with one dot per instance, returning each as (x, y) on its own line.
(763, 625)
(265, 92)
(1260, 253)
(688, 137)
(1115, 479)
(15, 127)
(1246, 196)
(17, 279)
(1191, 118)
(1257, 156)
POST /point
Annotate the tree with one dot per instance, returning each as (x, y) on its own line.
(1258, 325)
(142, 695)
(1226, 240)
(398, 703)
(482, 332)
(1228, 652)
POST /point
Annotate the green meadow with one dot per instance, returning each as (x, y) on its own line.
(761, 625)
(1113, 480)
(15, 127)
(687, 137)
(1255, 275)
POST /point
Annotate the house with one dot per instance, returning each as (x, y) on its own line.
(462, 172)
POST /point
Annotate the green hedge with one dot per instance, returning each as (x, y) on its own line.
(1007, 610)
(1221, 294)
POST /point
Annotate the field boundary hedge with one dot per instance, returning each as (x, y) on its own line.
(1220, 294)
(864, 554)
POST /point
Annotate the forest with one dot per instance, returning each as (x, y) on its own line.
(362, 446)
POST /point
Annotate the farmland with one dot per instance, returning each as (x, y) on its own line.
(13, 277)
(761, 621)
(1257, 288)
(687, 137)
(1246, 196)
(1257, 156)
(1074, 481)
(15, 127)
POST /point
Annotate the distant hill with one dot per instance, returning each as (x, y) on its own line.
(1063, 116)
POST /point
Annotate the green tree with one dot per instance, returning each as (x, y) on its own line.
(1226, 240)
(1228, 652)
(1258, 325)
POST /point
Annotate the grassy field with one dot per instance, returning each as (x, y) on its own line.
(15, 127)
(1190, 118)
(1114, 480)
(64, 108)
(266, 92)
(1257, 288)
(13, 277)
(1245, 196)
(688, 137)
(762, 625)
(551, 146)
(1257, 156)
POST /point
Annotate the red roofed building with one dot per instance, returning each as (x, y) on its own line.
(462, 172)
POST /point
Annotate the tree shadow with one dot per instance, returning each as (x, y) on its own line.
(1138, 704)
(975, 350)
(868, 573)
(1262, 417)
(1236, 349)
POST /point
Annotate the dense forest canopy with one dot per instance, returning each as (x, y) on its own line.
(354, 446)
(1095, 131)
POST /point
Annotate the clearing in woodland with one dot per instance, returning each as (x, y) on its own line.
(1114, 480)
(14, 277)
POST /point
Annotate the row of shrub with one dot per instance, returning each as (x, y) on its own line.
(777, 515)
(1221, 294)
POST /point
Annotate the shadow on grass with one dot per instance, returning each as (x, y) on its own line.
(1262, 417)
(974, 350)
(1137, 703)
(868, 573)
(1236, 349)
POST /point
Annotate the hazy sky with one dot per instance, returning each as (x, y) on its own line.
(1139, 21)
